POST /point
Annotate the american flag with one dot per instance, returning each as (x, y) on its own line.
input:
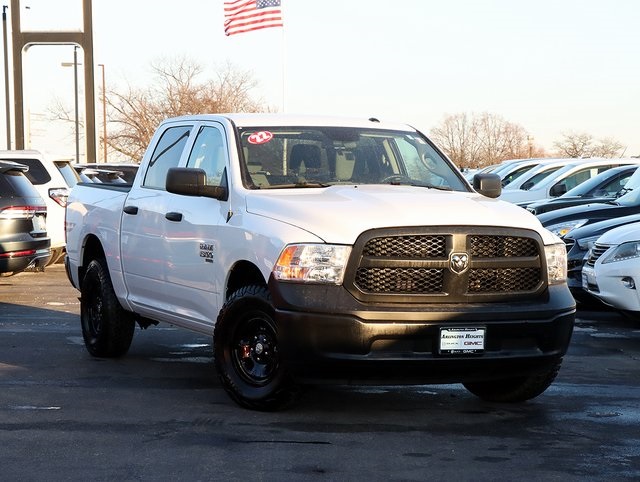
(246, 15)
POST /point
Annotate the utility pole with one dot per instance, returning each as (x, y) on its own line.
(104, 116)
(7, 100)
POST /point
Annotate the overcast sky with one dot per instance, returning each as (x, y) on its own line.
(552, 66)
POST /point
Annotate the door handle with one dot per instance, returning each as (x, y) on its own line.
(174, 216)
(131, 210)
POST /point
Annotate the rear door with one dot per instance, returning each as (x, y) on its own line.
(142, 237)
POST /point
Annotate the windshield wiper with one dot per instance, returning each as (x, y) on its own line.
(433, 186)
(305, 184)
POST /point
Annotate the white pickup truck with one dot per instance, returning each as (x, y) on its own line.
(327, 249)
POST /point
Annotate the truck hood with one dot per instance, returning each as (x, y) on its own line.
(339, 214)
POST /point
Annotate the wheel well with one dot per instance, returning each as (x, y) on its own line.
(92, 250)
(242, 274)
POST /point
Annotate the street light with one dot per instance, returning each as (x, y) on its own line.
(104, 116)
(75, 92)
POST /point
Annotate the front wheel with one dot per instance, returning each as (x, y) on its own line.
(107, 328)
(511, 390)
(246, 351)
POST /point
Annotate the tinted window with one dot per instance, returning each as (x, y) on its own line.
(15, 184)
(208, 153)
(580, 176)
(166, 155)
(538, 177)
(37, 173)
(68, 172)
(517, 172)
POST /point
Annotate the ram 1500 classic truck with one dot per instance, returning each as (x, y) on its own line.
(325, 249)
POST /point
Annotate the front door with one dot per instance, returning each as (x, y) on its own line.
(193, 273)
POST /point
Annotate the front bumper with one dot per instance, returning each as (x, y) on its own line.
(606, 283)
(328, 334)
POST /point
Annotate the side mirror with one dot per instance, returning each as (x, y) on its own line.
(489, 185)
(558, 190)
(193, 182)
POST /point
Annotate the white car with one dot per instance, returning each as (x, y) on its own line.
(556, 178)
(52, 180)
(612, 270)
(513, 169)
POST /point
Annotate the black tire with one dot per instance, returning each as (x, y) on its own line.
(107, 328)
(514, 390)
(246, 352)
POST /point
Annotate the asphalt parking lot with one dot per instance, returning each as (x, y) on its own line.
(160, 414)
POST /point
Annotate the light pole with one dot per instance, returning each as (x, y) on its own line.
(6, 75)
(104, 116)
(75, 93)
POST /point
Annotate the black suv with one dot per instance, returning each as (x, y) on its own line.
(23, 236)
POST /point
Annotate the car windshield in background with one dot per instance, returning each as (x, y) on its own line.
(285, 157)
(630, 199)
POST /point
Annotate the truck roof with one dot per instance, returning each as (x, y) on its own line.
(264, 119)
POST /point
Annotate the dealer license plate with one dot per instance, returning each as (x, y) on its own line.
(461, 341)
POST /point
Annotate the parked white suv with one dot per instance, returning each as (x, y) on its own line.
(52, 179)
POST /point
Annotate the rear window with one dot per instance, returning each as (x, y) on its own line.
(68, 172)
(15, 184)
(37, 173)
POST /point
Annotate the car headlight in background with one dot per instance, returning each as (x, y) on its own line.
(561, 229)
(312, 263)
(622, 252)
(587, 243)
(556, 255)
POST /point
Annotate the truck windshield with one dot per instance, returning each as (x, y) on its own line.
(286, 157)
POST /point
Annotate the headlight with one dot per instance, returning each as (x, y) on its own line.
(587, 243)
(623, 252)
(561, 229)
(312, 263)
(556, 255)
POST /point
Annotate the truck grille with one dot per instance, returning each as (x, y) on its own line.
(388, 265)
(597, 251)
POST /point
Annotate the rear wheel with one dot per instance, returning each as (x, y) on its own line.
(517, 389)
(107, 328)
(246, 351)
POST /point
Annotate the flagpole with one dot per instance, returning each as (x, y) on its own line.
(284, 59)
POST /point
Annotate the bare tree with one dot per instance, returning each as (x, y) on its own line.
(136, 112)
(574, 145)
(177, 89)
(477, 140)
(457, 136)
(583, 145)
(609, 148)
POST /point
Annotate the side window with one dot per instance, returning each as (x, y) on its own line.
(208, 153)
(166, 154)
(579, 177)
(613, 186)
